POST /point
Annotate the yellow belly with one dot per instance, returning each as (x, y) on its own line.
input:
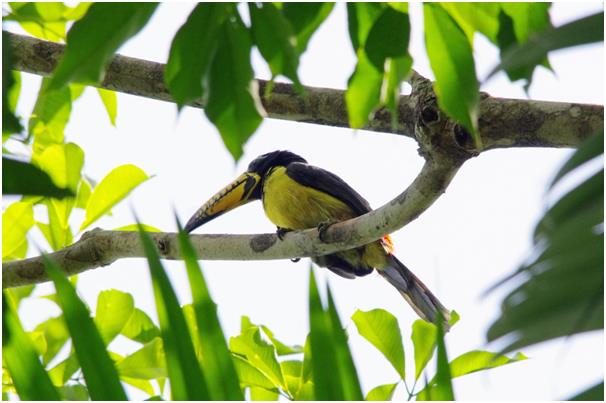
(291, 205)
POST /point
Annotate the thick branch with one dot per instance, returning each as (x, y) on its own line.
(99, 248)
(503, 122)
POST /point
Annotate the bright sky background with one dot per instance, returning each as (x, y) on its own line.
(475, 234)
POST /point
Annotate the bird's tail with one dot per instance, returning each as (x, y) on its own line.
(424, 303)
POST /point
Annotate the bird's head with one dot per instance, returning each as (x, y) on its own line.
(245, 188)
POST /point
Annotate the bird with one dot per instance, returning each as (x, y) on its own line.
(297, 196)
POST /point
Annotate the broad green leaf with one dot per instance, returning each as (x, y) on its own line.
(381, 329)
(185, 374)
(594, 393)
(324, 362)
(363, 91)
(77, 12)
(17, 294)
(360, 19)
(533, 52)
(443, 390)
(142, 384)
(192, 51)
(84, 191)
(57, 232)
(114, 309)
(50, 116)
(42, 20)
(474, 361)
(134, 227)
(111, 190)
(588, 150)
(233, 100)
(260, 394)
(424, 340)
(93, 40)
(281, 348)
(258, 353)
(98, 370)
(382, 392)
(76, 392)
(22, 178)
(149, 362)
(528, 18)
(347, 369)
(218, 365)
(55, 334)
(21, 359)
(273, 34)
(140, 327)
(62, 372)
(251, 376)
(110, 102)
(388, 37)
(305, 19)
(452, 63)
(475, 17)
(292, 371)
(10, 122)
(17, 220)
(63, 162)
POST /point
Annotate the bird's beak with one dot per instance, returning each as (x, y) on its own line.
(231, 196)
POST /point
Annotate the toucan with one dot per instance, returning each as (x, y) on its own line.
(298, 196)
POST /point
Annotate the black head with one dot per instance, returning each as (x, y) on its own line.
(262, 164)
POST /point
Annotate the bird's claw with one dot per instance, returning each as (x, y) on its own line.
(281, 232)
(322, 227)
(295, 260)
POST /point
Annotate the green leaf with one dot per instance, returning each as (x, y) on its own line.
(62, 372)
(260, 394)
(50, 116)
(388, 37)
(218, 365)
(274, 37)
(98, 370)
(424, 339)
(594, 393)
(110, 102)
(111, 190)
(533, 52)
(10, 122)
(363, 91)
(114, 309)
(29, 377)
(475, 17)
(84, 191)
(443, 390)
(77, 392)
(305, 19)
(17, 294)
(281, 348)
(360, 19)
(324, 362)
(250, 375)
(381, 329)
(528, 18)
(476, 360)
(42, 20)
(185, 374)
(17, 220)
(259, 354)
(192, 51)
(55, 334)
(382, 392)
(347, 369)
(140, 327)
(57, 232)
(93, 40)
(63, 163)
(134, 227)
(452, 63)
(233, 100)
(149, 362)
(293, 372)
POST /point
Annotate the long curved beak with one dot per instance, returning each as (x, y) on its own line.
(231, 196)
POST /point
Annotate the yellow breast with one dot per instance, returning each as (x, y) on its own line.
(288, 204)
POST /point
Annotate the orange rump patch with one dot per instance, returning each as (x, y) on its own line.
(388, 244)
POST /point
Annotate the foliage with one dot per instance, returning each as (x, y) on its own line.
(210, 61)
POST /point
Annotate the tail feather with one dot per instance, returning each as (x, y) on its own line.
(424, 303)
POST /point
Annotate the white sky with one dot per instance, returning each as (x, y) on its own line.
(474, 235)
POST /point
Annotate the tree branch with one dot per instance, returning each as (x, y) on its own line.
(100, 248)
(503, 122)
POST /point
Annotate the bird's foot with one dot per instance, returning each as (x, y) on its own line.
(322, 227)
(281, 232)
(295, 260)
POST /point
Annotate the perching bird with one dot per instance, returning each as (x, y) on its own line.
(298, 196)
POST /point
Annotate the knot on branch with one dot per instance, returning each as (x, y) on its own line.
(439, 137)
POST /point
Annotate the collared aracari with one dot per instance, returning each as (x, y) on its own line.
(298, 196)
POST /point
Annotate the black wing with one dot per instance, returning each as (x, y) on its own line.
(328, 182)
